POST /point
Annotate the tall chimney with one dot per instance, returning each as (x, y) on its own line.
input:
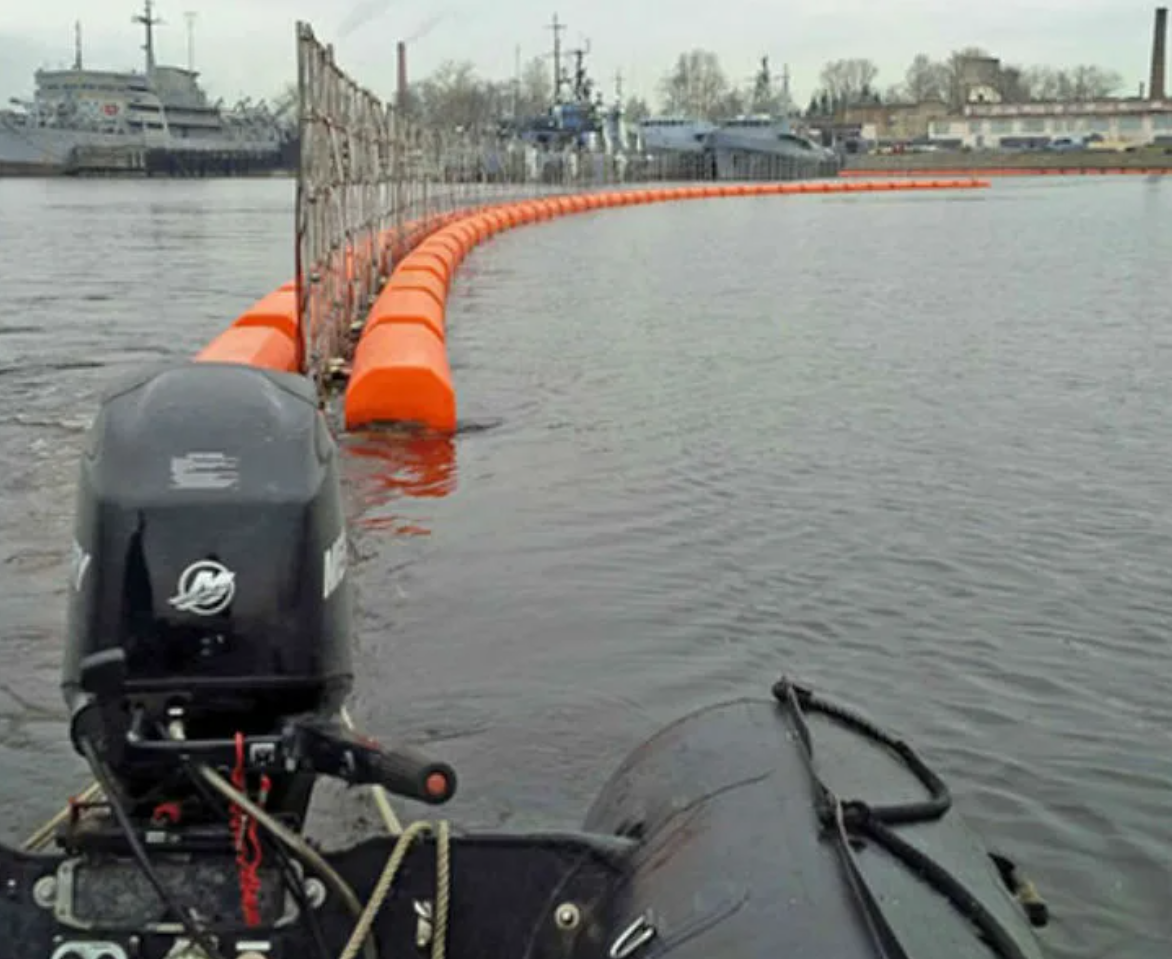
(1159, 55)
(402, 91)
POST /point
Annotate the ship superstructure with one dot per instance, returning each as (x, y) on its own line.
(161, 107)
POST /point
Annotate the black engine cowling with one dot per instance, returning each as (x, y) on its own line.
(210, 546)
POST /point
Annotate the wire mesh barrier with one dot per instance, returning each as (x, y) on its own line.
(370, 173)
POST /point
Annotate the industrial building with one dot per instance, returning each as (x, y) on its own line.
(986, 122)
(1126, 123)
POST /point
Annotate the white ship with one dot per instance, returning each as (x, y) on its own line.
(766, 147)
(762, 133)
(163, 107)
(674, 134)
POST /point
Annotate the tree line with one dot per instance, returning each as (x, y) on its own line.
(847, 83)
(455, 95)
(697, 86)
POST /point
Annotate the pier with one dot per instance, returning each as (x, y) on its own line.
(164, 161)
(388, 207)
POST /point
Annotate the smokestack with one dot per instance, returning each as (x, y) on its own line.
(1159, 55)
(402, 91)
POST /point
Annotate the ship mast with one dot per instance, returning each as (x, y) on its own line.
(148, 20)
(581, 84)
(189, 16)
(763, 88)
(516, 78)
(557, 29)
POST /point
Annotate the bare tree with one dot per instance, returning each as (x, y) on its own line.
(636, 109)
(1075, 84)
(286, 102)
(1013, 85)
(454, 96)
(955, 67)
(1045, 83)
(850, 82)
(926, 79)
(696, 86)
(1091, 82)
(534, 88)
(897, 93)
(733, 103)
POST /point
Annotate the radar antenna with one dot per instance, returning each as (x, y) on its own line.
(558, 79)
(189, 16)
(148, 20)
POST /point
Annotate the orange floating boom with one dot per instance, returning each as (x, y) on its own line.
(400, 371)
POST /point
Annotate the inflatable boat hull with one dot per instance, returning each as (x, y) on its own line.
(733, 861)
(711, 840)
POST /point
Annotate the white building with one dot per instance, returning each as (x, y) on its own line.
(1130, 122)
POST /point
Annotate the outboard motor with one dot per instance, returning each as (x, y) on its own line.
(208, 594)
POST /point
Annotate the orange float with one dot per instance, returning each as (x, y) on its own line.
(467, 231)
(277, 310)
(444, 243)
(397, 305)
(401, 375)
(408, 278)
(439, 263)
(262, 346)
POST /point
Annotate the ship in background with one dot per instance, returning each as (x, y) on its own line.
(576, 118)
(760, 145)
(576, 126)
(160, 114)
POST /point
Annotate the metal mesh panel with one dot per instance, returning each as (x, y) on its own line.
(367, 168)
(346, 143)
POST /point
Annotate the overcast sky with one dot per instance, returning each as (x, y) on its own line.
(247, 46)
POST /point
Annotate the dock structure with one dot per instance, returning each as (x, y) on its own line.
(122, 160)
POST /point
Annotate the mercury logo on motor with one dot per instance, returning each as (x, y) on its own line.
(205, 588)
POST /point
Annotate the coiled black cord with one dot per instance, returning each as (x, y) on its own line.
(852, 819)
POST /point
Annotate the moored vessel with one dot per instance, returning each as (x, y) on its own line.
(80, 111)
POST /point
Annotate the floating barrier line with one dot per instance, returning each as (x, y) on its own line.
(267, 334)
(400, 372)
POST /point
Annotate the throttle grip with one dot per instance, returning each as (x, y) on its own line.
(408, 773)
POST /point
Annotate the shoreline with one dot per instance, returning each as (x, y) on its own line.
(989, 163)
(946, 163)
(50, 171)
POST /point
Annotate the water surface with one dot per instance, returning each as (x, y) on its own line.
(910, 448)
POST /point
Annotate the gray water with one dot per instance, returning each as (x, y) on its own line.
(913, 449)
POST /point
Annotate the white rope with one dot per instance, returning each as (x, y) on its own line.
(39, 839)
(382, 889)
